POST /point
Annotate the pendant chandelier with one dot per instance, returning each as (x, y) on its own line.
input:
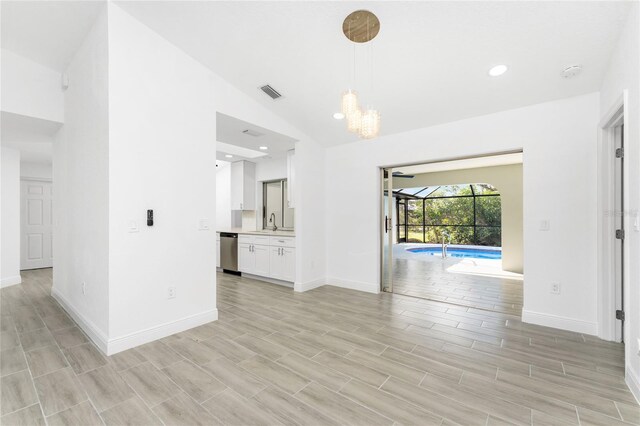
(360, 26)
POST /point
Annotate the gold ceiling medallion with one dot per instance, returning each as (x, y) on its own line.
(361, 26)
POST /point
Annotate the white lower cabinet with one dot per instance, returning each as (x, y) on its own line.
(276, 263)
(261, 254)
(283, 263)
(273, 257)
(289, 268)
(246, 259)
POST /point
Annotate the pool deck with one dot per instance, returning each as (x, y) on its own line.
(478, 283)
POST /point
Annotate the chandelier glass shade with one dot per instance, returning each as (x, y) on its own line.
(349, 103)
(354, 121)
(370, 124)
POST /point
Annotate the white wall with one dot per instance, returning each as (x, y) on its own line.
(35, 170)
(312, 227)
(10, 218)
(223, 198)
(31, 89)
(624, 74)
(81, 198)
(508, 180)
(272, 169)
(161, 156)
(559, 143)
(140, 134)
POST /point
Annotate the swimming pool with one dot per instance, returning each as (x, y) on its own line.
(475, 253)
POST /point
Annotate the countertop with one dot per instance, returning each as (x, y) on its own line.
(267, 232)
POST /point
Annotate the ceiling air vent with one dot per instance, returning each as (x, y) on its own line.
(273, 93)
(251, 133)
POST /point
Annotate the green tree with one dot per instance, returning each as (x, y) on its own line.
(456, 208)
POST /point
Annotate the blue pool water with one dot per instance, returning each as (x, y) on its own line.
(459, 252)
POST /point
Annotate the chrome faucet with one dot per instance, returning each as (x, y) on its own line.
(445, 245)
(272, 219)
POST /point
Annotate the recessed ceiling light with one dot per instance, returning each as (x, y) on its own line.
(338, 116)
(498, 70)
(229, 156)
(264, 148)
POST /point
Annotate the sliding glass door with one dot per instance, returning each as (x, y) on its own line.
(388, 206)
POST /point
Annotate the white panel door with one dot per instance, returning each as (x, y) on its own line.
(36, 225)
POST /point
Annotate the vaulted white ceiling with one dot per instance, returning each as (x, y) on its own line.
(47, 32)
(430, 59)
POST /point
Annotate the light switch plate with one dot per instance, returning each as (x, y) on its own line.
(133, 226)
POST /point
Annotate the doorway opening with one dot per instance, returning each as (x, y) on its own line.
(452, 232)
(612, 254)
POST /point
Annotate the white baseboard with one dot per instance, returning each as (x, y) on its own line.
(9, 281)
(633, 381)
(119, 344)
(268, 280)
(563, 323)
(354, 285)
(141, 337)
(310, 285)
(98, 337)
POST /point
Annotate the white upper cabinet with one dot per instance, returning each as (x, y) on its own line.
(291, 178)
(243, 185)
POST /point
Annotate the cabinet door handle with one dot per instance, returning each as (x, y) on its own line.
(240, 206)
(251, 248)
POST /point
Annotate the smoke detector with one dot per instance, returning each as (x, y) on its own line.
(571, 71)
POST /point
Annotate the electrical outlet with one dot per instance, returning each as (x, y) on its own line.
(555, 288)
(171, 292)
(84, 288)
(545, 225)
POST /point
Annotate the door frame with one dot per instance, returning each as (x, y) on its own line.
(381, 213)
(387, 221)
(607, 323)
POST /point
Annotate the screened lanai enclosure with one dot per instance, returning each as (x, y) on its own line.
(468, 214)
(446, 246)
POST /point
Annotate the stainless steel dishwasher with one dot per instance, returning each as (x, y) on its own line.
(229, 251)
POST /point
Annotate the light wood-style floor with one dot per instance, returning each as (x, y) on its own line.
(431, 277)
(328, 356)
